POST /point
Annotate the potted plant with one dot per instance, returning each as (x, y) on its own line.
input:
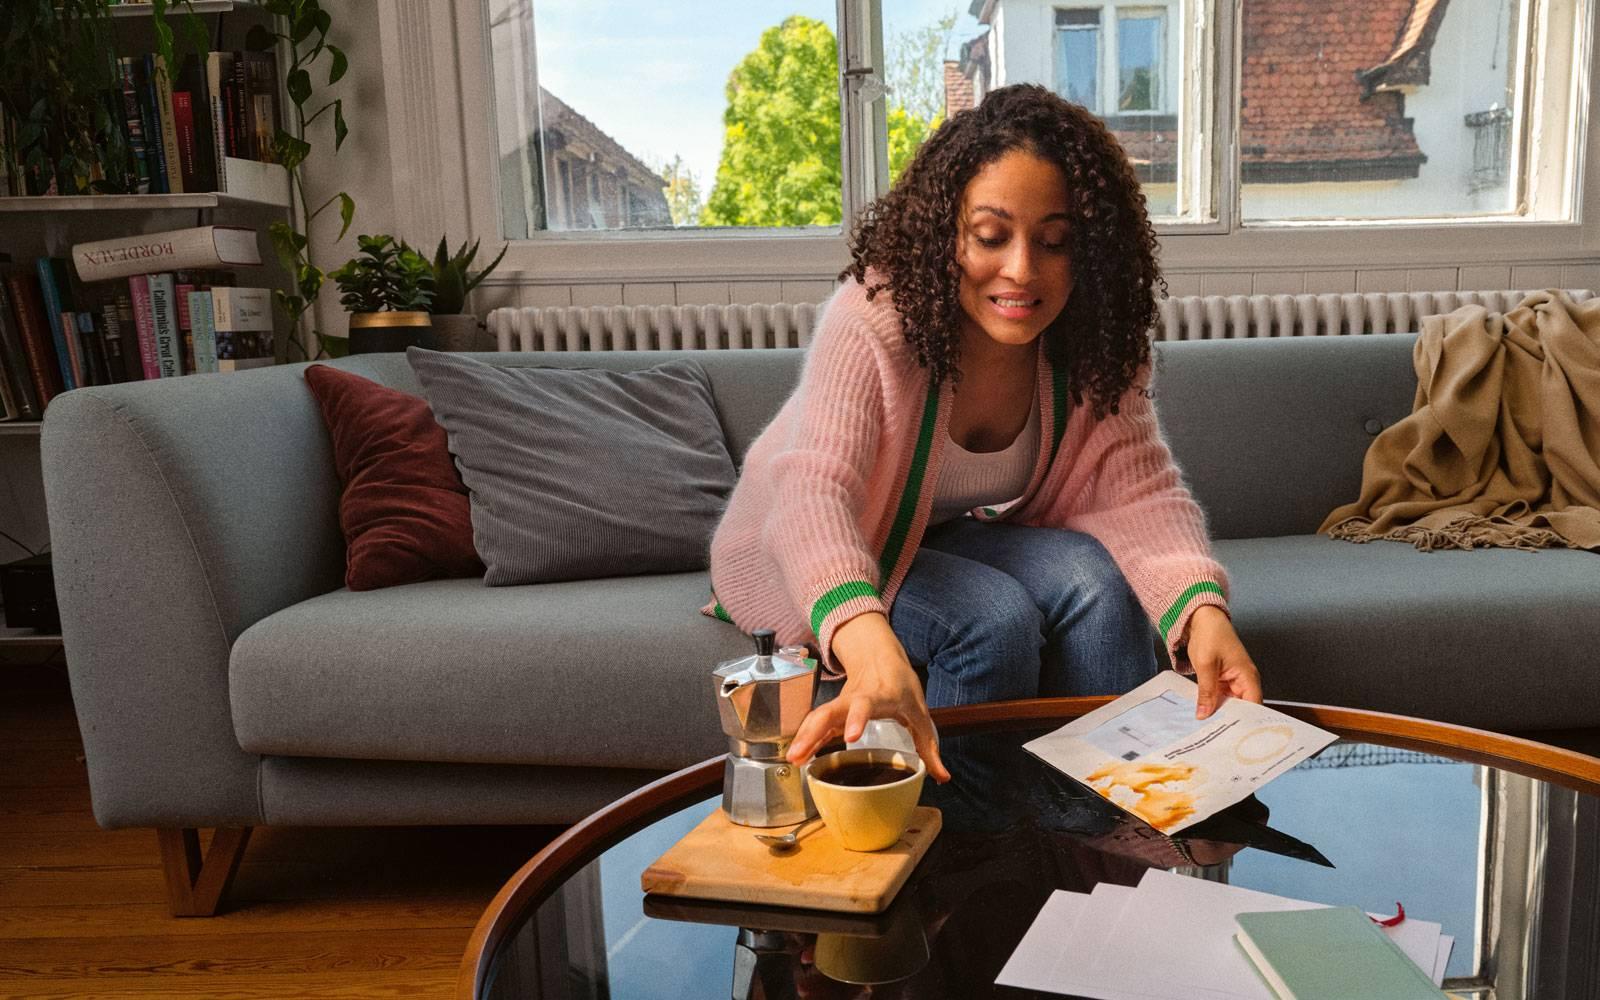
(387, 288)
(454, 328)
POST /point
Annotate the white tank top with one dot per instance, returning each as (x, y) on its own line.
(969, 479)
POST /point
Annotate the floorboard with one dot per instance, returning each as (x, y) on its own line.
(314, 914)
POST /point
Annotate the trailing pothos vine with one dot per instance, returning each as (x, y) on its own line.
(306, 43)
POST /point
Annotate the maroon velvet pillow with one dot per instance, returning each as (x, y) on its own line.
(404, 512)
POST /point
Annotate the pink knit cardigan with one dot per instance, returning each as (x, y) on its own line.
(836, 492)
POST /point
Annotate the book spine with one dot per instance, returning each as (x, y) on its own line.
(111, 338)
(238, 101)
(185, 285)
(179, 249)
(150, 109)
(169, 127)
(134, 122)
(16, 358)
(132, 357)
(144, 324)
(219, 124)
(205, 334)
(52, 312)
(32, 324)
(93, 345)
(8, 393)
(183, 122)
(164, 313)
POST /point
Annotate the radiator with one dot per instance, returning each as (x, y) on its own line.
(1188, 317)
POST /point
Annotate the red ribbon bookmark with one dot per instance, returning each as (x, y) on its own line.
(1392, 921)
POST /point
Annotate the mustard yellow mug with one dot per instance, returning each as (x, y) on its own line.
(866, 796)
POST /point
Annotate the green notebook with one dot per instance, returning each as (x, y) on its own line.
(1333, 953)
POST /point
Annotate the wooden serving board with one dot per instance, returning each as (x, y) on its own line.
(721, 860)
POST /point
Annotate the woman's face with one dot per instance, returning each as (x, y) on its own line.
(1014, 248)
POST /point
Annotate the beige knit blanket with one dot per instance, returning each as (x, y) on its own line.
(1502, 442)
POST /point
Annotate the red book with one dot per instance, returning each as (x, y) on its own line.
(37, 341)
(144, 321)
(183, 120)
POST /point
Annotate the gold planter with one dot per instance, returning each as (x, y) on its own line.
(374, 333)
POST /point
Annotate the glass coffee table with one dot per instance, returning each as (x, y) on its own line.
(1495, 838)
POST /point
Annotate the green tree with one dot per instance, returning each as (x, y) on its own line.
(682, 187)
(916, 68)
(780, 161)
(780, 149)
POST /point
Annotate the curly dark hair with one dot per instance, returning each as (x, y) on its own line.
(908, 237)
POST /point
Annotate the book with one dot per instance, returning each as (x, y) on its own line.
(1330, 953)
(219, 66)
(202, 333)
(164, 321)
(144, 325)
(66, 351)
(27, 303)
(242, 320)
(128, 331)
(133, 124)
(194, 80)
(169, 125)
(196, 247)
(261, 82)
(16, 360)
(112, 339)
(150, 116)
(183, 122)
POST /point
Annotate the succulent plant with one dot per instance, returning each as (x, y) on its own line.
(453, 277)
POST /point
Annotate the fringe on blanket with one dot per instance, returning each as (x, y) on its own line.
(1466, 531)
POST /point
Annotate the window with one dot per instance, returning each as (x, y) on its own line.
(1372, 117)
(787, 116)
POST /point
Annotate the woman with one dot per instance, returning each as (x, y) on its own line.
(969, 478)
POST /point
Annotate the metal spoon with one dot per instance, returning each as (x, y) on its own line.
(784, 841)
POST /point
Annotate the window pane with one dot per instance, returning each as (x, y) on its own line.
(1139, 61)
(625, 114)
(1066, 48)
(1078, 64)
(1399, 113)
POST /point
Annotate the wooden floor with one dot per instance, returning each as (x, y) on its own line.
(314, 913)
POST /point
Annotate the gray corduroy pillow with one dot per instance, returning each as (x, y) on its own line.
(582, 473)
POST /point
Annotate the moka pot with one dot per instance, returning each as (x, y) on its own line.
(761, 700)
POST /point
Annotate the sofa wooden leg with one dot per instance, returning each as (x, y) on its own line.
(196, 885)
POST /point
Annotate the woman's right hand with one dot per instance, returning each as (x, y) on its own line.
(879, 684)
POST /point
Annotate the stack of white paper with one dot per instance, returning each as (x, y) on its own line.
(1169, 939)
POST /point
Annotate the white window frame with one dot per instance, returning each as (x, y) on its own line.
(1110, 49)
(437, 96)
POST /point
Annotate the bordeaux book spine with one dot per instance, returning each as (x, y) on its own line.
(144, 324)
(28, 304)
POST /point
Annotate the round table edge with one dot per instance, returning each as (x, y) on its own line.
(571, 850)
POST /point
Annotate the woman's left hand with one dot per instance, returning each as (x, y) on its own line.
(1221, 666)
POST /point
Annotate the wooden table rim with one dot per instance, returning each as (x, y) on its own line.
(576, 847)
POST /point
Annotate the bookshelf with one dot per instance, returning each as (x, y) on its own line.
(198, 6)
(45, 225)
(129, 202)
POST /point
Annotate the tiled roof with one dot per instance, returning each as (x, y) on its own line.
(1321, 91)
(557, 116)
(1303, 107)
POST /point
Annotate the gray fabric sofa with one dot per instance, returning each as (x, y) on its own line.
(223, 677)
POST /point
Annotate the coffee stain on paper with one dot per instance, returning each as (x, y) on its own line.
(1141, 789)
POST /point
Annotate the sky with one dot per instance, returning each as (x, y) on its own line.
(651, 75)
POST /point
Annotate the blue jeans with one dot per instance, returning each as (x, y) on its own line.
(995, 611)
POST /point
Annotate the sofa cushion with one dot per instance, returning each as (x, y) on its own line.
(1490, 638)
(403, 508)
(579, 474)
(594, 673)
